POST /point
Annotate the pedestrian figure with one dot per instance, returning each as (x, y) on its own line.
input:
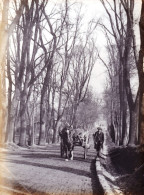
(98, 137)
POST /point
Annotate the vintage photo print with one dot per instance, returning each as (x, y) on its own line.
(71, 97)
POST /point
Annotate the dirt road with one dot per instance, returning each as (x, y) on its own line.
(43, 171)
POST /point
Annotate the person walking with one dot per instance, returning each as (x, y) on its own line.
(98, 138)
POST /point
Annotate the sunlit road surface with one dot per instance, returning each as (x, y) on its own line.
(43, 171)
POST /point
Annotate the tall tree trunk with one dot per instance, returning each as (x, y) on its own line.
(124, 126)
(22, 140)
(55, 130)
(9, 118)
(133, 121)
(13, 122)
(42, 133)
(3, 45)
(141, 77)
(132, 128)
(74, 122)
(123, 107)
(141, 116)
(32, 140)
(54, 140)
(23, 123)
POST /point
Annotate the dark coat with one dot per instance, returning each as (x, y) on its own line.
(98, 140)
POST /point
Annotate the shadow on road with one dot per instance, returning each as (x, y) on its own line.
(30, 157)
(60, 168)
(96, 185)
(55, 155)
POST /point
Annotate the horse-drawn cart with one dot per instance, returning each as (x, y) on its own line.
(77, 137)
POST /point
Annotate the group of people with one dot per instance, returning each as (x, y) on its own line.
(98, 138)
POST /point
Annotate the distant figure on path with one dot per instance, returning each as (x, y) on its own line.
(98, 138)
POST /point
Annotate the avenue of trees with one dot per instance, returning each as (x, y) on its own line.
(46, 60)
(124, 103)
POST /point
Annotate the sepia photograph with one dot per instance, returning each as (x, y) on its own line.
(71, 97)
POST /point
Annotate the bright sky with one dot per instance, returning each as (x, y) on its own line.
(94, 9)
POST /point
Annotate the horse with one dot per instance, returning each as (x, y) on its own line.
(67, 144)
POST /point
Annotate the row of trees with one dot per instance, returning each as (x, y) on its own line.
(47, 56)
(5, 31)
(124, 67)
(49, 60)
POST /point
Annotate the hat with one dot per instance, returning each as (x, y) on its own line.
(99, 128)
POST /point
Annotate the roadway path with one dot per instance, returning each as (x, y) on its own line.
(42, 171)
